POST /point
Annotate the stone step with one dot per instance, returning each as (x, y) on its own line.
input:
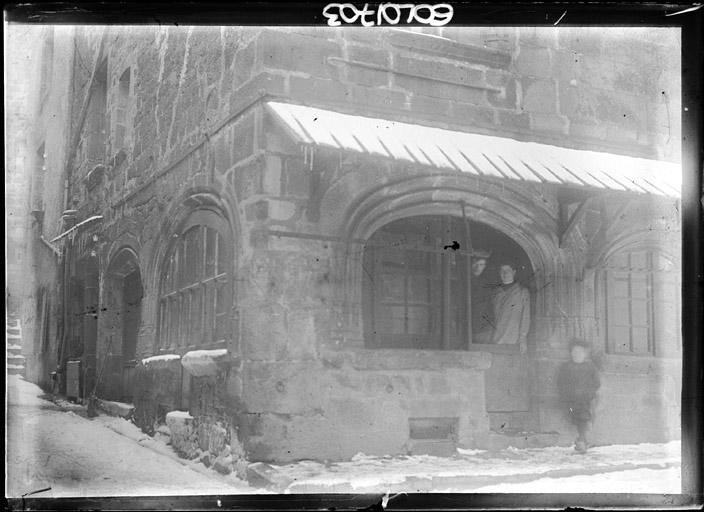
(503, 440)
(436, 447)
(14, 331)
(14, 349)
(13, 369)
(15, 359)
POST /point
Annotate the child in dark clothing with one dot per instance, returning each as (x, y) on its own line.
(578, 381)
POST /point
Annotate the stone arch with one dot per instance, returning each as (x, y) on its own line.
(504, 206)
(123, 299)
(640, 239)
(508, 209)
(177, 214)
(518, 210)
(177, 218)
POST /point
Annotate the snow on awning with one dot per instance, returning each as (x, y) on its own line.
(482, 155)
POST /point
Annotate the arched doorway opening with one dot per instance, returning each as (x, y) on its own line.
(422, 289)
(124, 294)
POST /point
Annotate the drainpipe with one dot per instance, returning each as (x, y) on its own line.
(69, 220)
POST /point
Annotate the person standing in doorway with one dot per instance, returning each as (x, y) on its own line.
(578, 381)
(511, 309)
(482, 315)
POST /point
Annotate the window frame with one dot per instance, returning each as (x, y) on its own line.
(180, 294)
(122, 120)
(441, 263)
(657, 347)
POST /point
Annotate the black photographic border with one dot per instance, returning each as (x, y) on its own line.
(687, 16)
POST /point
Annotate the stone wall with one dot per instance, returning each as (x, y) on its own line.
(38, 269)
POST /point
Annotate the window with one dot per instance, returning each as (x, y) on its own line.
(195, 299)
(122, 123)
(95, 129)
(642, 304)
(416, 278)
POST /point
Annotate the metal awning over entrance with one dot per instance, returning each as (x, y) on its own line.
(477, 154)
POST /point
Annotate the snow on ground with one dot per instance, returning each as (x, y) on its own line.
(602, 469)
(110, 456)
(664, 481)
(76, 456)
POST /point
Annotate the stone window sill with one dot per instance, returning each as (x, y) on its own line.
(400, 359)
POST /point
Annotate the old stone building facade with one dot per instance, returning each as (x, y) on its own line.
(223, 255)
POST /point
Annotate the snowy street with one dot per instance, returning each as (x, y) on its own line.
(52, 444)
(76, 456)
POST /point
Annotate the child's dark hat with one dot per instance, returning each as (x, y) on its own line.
(578, 342)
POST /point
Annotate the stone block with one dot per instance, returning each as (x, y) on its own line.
(201, 363)
(551, 123)
(617, 133)
(566, 64)
(243, 64)
(183, 434)
(258, 210)
(588, 130)
(436, 448)
(464, 35)
(597, 72)
(368, 55)
(436, 89)
(472, 115)
(247, 178)
(482, 54)
(427, 105)
(367, 77)
(432, 69)
(260, 84)
(317, 89)
(515, 121)
(507, 97)
(271, 182)
(426, 406)
(223, 465)
(539, 37)
(281, 210)
(376, 98)
(296, 177)
(533, 61)
(222, 156)
(217, 441)
(280, 50)
(284, 388)
(264, 334)
(302, 336)
(242, 140)
(575, 38)
(539, 96)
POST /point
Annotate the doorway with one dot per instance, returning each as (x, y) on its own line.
(123, 296)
